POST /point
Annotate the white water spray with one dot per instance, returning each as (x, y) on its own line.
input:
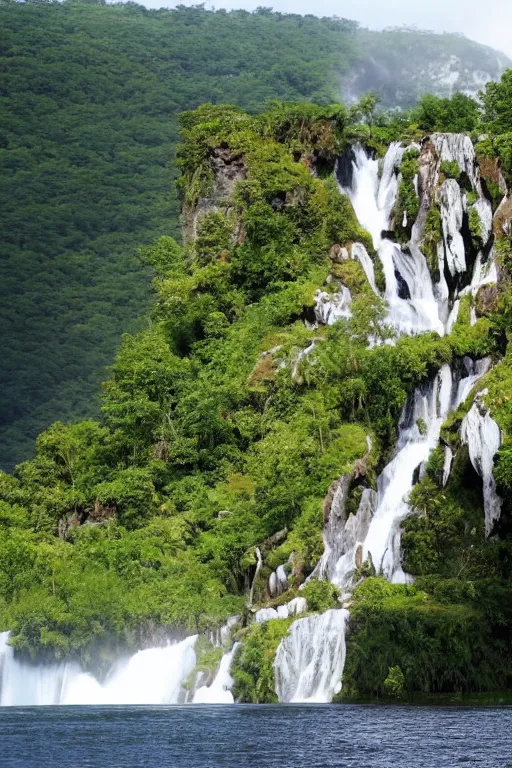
(151, 676)
(219, 692)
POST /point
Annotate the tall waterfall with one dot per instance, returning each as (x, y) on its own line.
(415, 303)
(375, 530)
(310, 659)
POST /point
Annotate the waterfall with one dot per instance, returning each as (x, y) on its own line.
(310, 659)
(412, 307)
(419, 430)
(415, 304)
(219, 692)
(482, 436)
(360, 253)
(334, 516)
(331, 307)
(151, 676)
(375, 530)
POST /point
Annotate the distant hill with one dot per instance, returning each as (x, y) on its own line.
(90, 94)
(401, 64)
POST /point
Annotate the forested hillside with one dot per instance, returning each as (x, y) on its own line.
(90, 95)
(266, 382)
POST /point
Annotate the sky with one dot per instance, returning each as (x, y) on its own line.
(487, 21)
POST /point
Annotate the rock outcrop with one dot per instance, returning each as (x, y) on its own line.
(227, 169)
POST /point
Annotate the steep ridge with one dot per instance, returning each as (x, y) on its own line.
(327, 326)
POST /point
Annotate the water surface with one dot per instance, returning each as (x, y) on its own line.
(239, 736)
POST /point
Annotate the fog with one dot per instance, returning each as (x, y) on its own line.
(488, 22)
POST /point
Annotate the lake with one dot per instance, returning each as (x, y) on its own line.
(242, 736)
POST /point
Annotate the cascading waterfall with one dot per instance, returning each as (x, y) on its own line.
(219, 692)
(415, 303)
(310, 659)
(409, 292)
(419, 430)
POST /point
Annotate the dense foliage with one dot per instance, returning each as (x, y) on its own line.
(218, 434)
(226, 419)
(90, 94)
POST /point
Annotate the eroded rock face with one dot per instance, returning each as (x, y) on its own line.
(338, 255)
(98, 515)
(68, 522)
(502, 223)
(228, 168)
(486, 301)
(428, 174)
(278, 582)
(458, 148)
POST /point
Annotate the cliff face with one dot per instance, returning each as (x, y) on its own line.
(316, 420)
(226, 170)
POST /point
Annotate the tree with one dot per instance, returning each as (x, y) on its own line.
(497, 102)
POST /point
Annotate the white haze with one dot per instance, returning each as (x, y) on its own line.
(487, 22)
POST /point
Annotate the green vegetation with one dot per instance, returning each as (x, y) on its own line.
(407, 203)
(321, 595)
(450, 170)
(431, 239)
(90, 98)
(226, 418)
(458, 114)
(215, 438)
(207, 446)
(475, 225)
(402, 641)
(253, 665)
(91, 93)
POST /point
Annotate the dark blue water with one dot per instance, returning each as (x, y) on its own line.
(263, 737)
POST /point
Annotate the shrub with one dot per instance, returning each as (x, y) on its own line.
(321, 595)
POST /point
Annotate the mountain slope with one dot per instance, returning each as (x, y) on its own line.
(264, 450)
(402, 64)
(88, 128)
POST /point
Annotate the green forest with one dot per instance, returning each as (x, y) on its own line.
(90, 95)
(216, 436)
